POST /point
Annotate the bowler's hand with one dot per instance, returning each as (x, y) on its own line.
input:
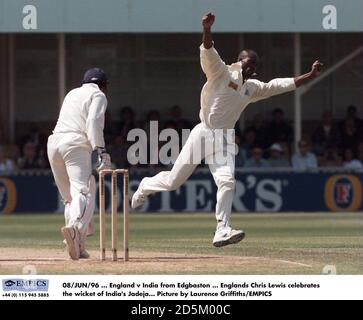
(316, 68)
(208, 20)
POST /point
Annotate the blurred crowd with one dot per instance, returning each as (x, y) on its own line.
(330, 144)
(262, 144)
(29, 153)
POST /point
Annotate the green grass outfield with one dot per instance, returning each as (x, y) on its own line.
(314, 240)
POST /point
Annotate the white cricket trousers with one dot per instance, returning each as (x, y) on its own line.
(70, 160)
(219, 154)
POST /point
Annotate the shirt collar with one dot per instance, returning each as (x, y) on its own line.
(92, 85)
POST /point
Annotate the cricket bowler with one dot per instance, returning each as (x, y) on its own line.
(78, 132)
(227, 92)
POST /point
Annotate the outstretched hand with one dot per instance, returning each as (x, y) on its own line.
(208, 20)
(304, 78)
(316, 68)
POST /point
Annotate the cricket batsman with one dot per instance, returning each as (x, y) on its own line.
(227, 92)
(78, 132)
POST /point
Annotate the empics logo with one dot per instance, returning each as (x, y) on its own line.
(27, 285)
(343, 193)
(9, 283)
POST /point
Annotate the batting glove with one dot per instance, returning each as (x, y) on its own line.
(103, 159)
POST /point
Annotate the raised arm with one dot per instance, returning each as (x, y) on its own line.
(207, 22)
(260, 90)
(211, 62)
(304, 78)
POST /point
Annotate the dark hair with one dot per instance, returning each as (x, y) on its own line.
(257, 146)
(253, 54)
(303, 142)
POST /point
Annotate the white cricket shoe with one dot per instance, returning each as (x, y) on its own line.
(138, 198)
(71, 235)
(226, 236)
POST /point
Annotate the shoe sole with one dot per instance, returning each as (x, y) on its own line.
(72, 250)
(232, 240)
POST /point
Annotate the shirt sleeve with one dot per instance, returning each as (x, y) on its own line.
(294, 161)
(212, 64)
(313, 161)
(261, 90)
(96, 120)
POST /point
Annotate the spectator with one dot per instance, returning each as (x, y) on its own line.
(286, 151)
(303, 159)
(169, 124)
(152, 115)
(349, 134)
(279, 130)
(260, 128)
(359, 117)
(6, 164)
(353, 115)
(241, 157)
(13, 153)
(276, 157)
(248, 142)
(351, 162)
(176, 116)
(326, 134)
(118, 152)
(360, 151)
(127, 122)
(43, 158)
(331, 157)
(153, 154)
(29, 160)
(110, 129)
(38, 139)
(256, 160)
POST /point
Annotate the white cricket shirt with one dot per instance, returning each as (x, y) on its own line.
(224, 96)
(83, 111)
